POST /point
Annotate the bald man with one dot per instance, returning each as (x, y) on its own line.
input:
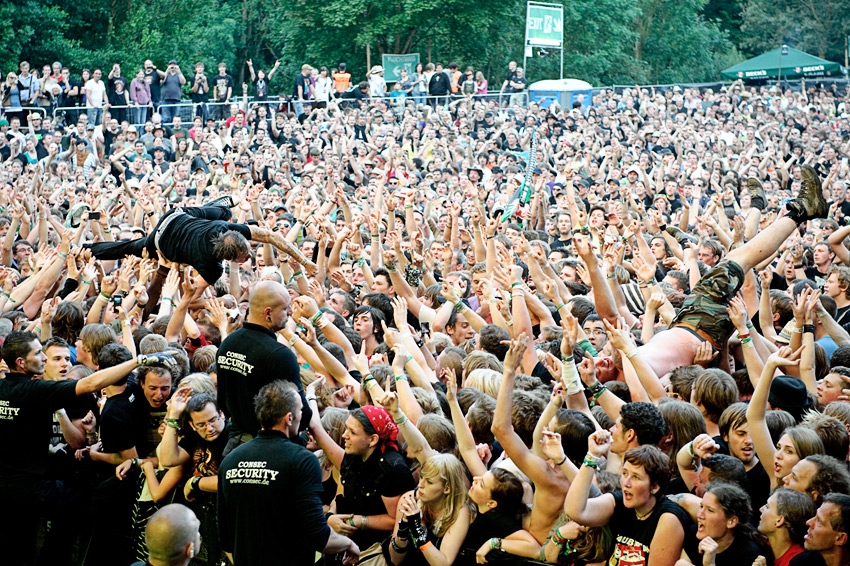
(173, 537)
(252, 357)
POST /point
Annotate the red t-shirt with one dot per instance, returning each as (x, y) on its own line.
(785, 559)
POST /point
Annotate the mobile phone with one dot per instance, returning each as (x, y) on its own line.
(94, 215)
(426, 328)
(116, 302)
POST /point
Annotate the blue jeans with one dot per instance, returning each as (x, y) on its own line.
(95, 115)
(168, 111)
(140, 114)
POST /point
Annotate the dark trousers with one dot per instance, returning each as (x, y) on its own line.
(122, 248)
(25, 503)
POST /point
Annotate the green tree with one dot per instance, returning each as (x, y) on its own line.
(676, 44)
(819, 27)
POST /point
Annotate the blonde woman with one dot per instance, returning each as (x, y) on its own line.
(435, 516)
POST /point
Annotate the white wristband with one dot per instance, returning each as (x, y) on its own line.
(571, 377)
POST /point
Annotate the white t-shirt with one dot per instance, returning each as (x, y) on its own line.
(95, 93)
(323, 88)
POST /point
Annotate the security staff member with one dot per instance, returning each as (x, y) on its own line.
(268, 474)
(252, 357)
(26, 410)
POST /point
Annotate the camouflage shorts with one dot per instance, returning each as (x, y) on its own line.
(705, 307)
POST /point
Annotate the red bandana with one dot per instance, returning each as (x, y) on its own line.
(384, 426)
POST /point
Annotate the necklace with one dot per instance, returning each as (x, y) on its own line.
(645, 515)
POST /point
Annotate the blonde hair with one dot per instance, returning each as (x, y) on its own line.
(452, 474)
(485, 380)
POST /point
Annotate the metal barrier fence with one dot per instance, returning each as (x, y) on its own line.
(187, 110)
(22, 111)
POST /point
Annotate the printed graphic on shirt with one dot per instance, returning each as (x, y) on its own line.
(7, 412)
(628, 552)
(235, 361)
(251, 473)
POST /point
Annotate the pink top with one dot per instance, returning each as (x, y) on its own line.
(482, 87)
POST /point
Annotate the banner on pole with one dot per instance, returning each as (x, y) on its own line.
(393, 64)
(544, 25)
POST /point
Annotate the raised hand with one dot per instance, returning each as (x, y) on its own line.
(516, 350)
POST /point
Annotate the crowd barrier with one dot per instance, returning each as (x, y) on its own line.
(187, 109)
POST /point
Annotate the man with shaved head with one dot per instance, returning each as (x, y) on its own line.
(173, 536)
(252, 357)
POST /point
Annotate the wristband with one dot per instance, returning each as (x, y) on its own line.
(516, 284)
(390, 267)
(303, 261)
(61, 412)
(808, 328)
(429, 543)
(559, 307)
(632, 354)
(398, 549)
(402, 420)
(106, 297)
(297, 274)
(588, 347)
(63, 255)
(84, 282)
(743, 336)
(314, 319)
(311, 399)
(591, 461)
(172, 423)
(150, 214)
(361, 262)
(401, 377)
(561, 463)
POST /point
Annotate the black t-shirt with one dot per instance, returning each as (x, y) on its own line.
(365, 483)
(26, 406)
(189, 240)
(117, 82)
(759, 486)
(120, 427)
(261, 89)
(149, 420)
(152, 78)
(301, 80)
(742, 551)
(205, 456)
(634, 537)
(247, 360)
(486, 526)
(269, 504)
(221, 84)
(76, 409)
(815, 275)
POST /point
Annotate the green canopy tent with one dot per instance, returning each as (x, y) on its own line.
(794, 64)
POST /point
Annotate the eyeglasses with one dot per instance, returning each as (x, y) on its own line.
(210, 423)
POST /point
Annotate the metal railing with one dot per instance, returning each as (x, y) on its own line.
(24, 110)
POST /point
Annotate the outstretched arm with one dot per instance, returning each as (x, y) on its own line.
(268, 237)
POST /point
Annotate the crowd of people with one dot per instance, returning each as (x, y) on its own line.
(55, 92)
(467, 332)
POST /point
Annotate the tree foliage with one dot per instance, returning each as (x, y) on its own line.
(606, 41)
(819, 27)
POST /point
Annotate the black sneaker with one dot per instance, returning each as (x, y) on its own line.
(75, 215)
(680, 236)
(757, 198)
(809, 203)
(226, 201)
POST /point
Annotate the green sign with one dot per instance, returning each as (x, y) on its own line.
(393, 64)
(544, 25)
